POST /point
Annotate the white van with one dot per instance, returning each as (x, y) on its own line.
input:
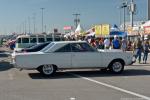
(26, 41)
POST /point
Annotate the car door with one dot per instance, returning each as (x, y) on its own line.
(83, 56)
(63, 56)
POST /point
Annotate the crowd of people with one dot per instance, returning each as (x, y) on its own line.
(138, 46)
(110, 43)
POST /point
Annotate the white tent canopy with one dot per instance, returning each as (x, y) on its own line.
(78, 29)
(145, 24)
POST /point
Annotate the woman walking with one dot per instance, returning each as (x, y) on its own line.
(146, 49)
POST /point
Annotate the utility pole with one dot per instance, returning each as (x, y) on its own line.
(45, 28)
(124, 6)
(29, 24)
(25, 27)
(42, 18)
(34, 16)
(76, 20)
(132, 9)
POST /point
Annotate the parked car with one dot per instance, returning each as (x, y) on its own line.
(71, 55)
(34, 48)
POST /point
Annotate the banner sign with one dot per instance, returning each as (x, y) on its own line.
(98, 30)
(105, 29)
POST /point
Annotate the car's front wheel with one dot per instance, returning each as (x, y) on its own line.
(47, 70)
(116, 67)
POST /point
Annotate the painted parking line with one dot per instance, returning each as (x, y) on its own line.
(113, 87)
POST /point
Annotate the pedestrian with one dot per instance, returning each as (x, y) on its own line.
(138, 49)
(129, 45)
(146, 49)
(106, 43)
(124, 44)
(101, 44)
(93, 43)
(116, 42)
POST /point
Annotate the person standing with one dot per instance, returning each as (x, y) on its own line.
(116, 43)
(106, 43)
(146, 49)
(124, 44)
(138, 49)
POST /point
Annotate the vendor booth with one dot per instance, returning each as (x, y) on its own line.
(118, 33)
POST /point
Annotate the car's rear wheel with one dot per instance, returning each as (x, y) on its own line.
(116, 66)
(47, 70)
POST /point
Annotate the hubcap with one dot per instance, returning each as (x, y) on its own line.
(48, 69)
(117, 66)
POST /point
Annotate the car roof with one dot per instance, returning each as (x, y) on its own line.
(59, 44)
(69, 42)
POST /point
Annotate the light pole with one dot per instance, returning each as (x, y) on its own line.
(132, 10)
(29, 24)
(34, 18)
(76, 20)
(25, 27)
(42, 18)
(124, 5)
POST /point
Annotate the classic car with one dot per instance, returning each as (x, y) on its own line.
(71, 55)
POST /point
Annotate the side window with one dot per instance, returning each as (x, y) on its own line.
(19, 40)
(48, 39)
(65, 48)
(33, 40)
(57, 39)
(25, 40)
(41, 40)
(75, 47)
(87, 47)
(81, 47)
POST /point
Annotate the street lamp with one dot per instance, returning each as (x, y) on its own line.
(29, 24)
(42, 18)
(124, 5)
(132, 10)
(34, 18)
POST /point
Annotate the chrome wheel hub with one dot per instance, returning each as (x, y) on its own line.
(48, 69)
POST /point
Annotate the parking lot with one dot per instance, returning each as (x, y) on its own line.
(132, 84)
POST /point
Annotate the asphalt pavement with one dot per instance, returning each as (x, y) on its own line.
(132, 84)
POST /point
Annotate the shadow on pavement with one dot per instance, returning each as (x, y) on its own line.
(1, 51)
(4, 55)
(57, 75)
(5, 66)
(96, 73)
(142, 65)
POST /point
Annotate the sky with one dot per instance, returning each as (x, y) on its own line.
(16, 14)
